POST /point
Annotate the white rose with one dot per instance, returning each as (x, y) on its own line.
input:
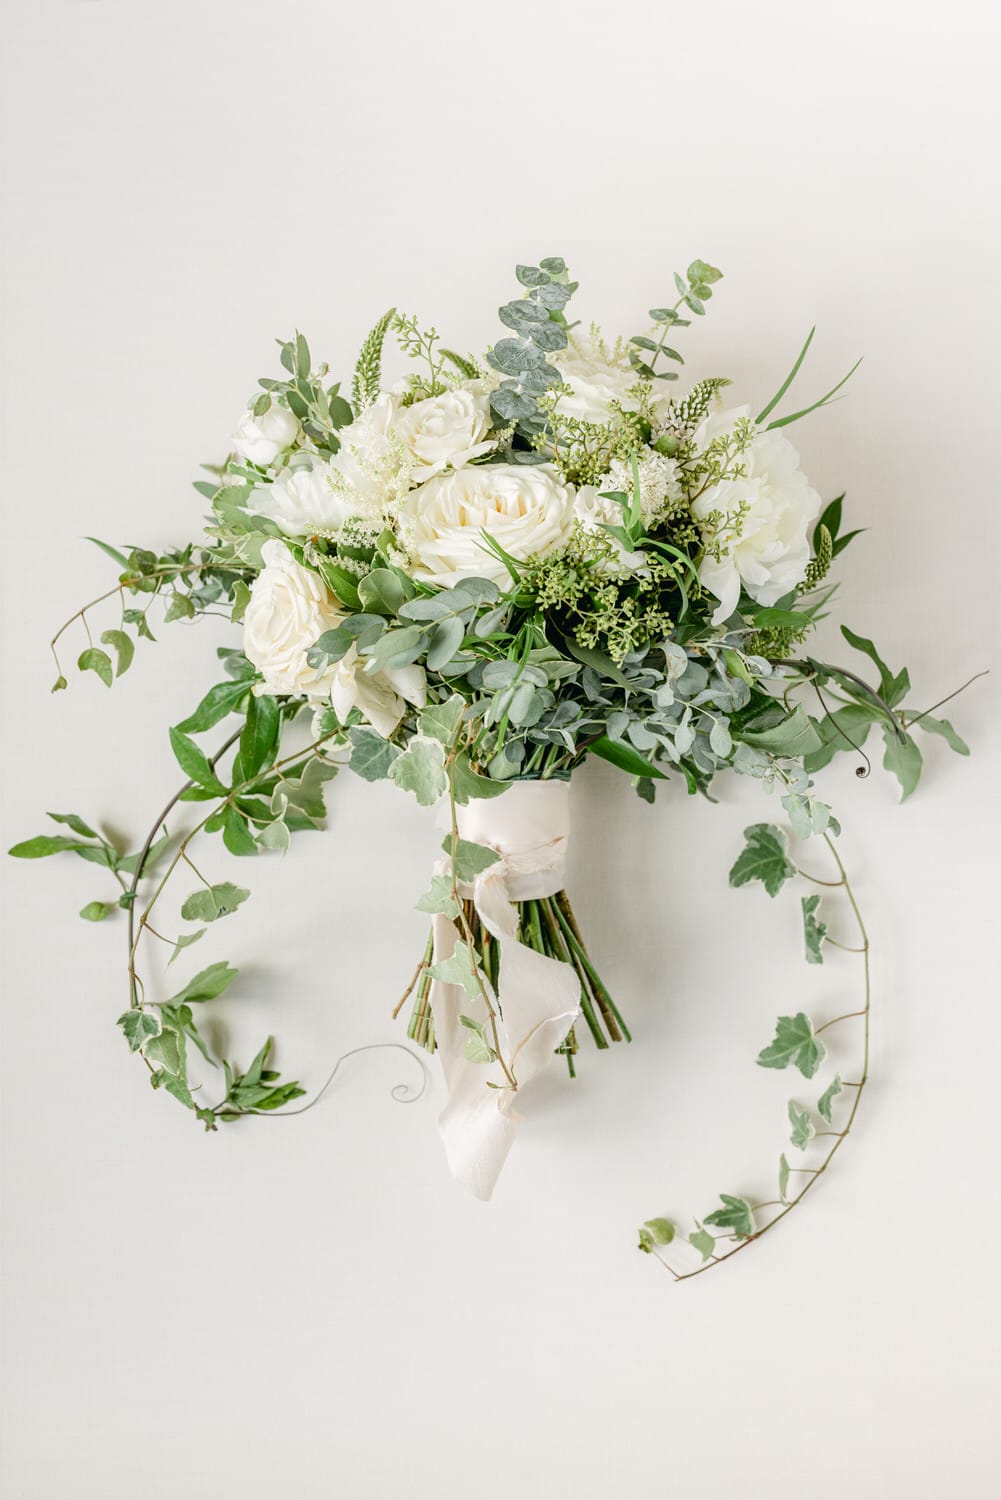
(524, 507)
(771, 553)
(444, 431)
(595, 510)
(290, 607)
(594, 384)
(261, 439)
(303, 500)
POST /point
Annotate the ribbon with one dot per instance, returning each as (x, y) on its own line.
(538, 998)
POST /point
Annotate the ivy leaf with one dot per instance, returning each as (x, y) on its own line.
(902, 758)
(124, 648)
(193, 763)
(167, 1049)
(458, 969)
(764, 858)
(735, 1215)
(794, 1044)
(656, 1232)
(803, 1128)
(421, 770)
(439, 899)
(139, 1026)
(814, 931)
(468, 785)
(96, 911)
(275, 835)
(371, 755)
(185, 941)
(207, 985)
(93, 660)
(784, 1170)
(477, 1048)
(704, 1242)
(470, 859)
(174, 1085)
(440, 720)
(216, 901)
(826, 1100)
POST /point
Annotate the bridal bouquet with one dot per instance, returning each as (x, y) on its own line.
(466, 577)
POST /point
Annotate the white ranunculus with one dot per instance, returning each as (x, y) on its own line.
(444, 431)
(303, 500)
(261, 439)
(290, 607)
(595, 510)
(595, 382)
(770, 553)
(524, 507)
(380, 696)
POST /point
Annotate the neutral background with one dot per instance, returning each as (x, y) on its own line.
(311, 1307)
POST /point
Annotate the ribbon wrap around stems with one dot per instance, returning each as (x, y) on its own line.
(538, 998)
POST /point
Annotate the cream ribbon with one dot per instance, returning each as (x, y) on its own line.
(538, 997)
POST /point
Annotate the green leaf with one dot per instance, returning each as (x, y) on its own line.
(784, 1170)
(124, 647)
(625, 758)
(704, 1242)
(217, 901)
(259, 737)
(185, 941)
(139, 1027)
(702, 274)
(439, 721)
(174, 1085)
(193, 763)
(827, 1098)
(656, 1232)
(112, 552)
(902, 758)
(96, 911)
(167, 1049)
(76, 823)
(241, 598)
(773, 403)
(794, 1044)
(846, 729)
(814, 931)
(421, 770)
(52, 843)
(470, 859)
(236, 834)
(304, 793)
(803, 1128)
(384, 591)
(275, 836)
(93, 660)
(179, 608)
(477, 1048)
(816, 405)
(468, 785)
(735, 1215)
(892, 688)
(763, 858)
(206, 985)
(797, 735)
(458, 969)
(371, 755)
(942, 727)
(438, 898)
(217, 703)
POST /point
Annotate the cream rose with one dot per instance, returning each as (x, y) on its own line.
(594, 382)
(303, 500)
(290, 608)
(524, 507)
(444, 431)
(770, 551)
(261, 439)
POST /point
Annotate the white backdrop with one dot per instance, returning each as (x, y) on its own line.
(311, 1307)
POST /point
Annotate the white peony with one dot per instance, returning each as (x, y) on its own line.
(261, 439)
(290, 607)
(595, 381)
(303, 500)
(524, 507)
(595, 510)
(444, 431)
(770, 551)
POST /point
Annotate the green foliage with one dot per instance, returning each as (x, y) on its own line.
(459, 968)
(702, 1241)
(803, 1128)
(368, 370)
(814, 931)
(763, 858)
(420, 769)
(694, 291)
(539, 327)
(654, 1233)
(736, 1215)
(795, 1045)
(469, 860)
(214, 902)
(825, 1103)
(477, 1048)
